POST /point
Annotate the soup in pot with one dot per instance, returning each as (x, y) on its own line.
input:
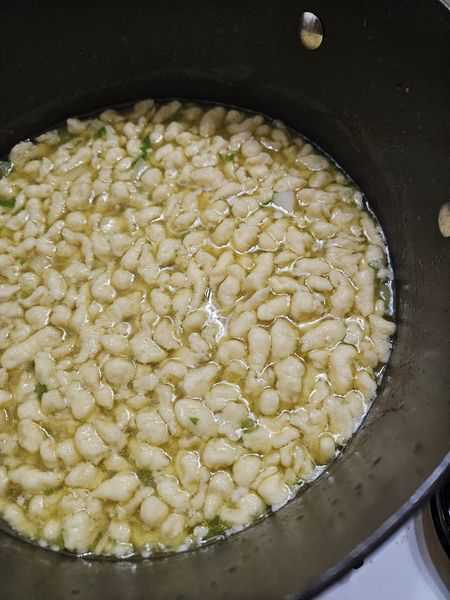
(195, 311)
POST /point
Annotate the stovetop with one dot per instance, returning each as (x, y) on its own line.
(411, 565)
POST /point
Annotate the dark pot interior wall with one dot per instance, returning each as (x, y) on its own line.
(376, 97)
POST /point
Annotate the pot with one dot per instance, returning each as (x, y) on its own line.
(376, 96)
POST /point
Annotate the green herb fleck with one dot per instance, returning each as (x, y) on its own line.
(8, 202)
(216, 527)
(146, 477)
(267, 202)
(248, 424)
(40, 390)
(64, 135)
(229, 156)
(6, 167)
(100, 133)
(193, 420)
(145, 147)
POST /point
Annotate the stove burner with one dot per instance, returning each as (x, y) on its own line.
(440, 511)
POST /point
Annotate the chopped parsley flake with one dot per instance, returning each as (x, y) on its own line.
(8, 202)
(146, 477)
(229, 156)
(100, 133)
(64, 135)
(248, 424)
(215, 527)
(145, 147)
(40, 390)
(193, 420)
